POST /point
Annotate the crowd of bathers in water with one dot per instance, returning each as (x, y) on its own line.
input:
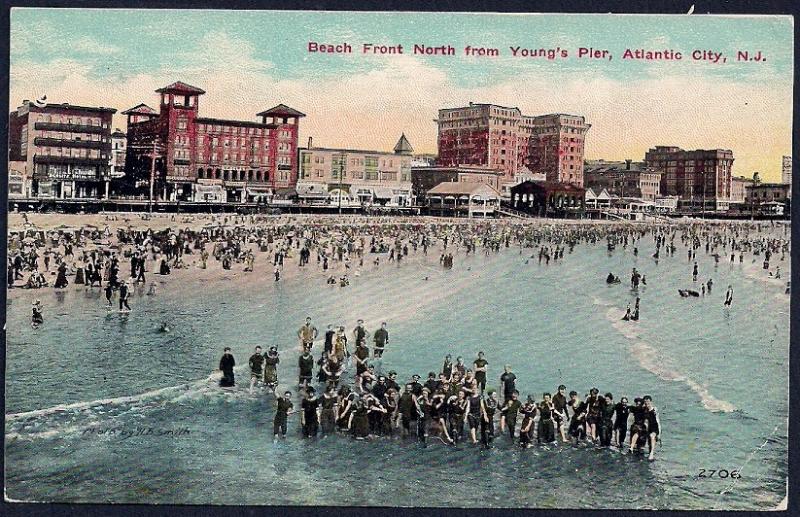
(343, 242)
(453, 405)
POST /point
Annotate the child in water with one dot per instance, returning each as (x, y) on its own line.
(36, 313)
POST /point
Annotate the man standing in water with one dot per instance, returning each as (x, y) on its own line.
(560, 411)
(638, 427)
(360, 333)
(307, 334)
(488, 409)
(407, 409)
(306, 364)
(652, 425)
(508, 381)
(380, 338)
(256, 367)
(729, 296)
(329, 334)
(284, 406)
(310, 419)
(621, 413)
(509, 413)
(480, 371)
(124, 294)
(226, 364)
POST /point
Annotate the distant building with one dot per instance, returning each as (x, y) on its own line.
(501, 137)
(66, 149)
(739, 186)
(234, 160)
(786, 173)
(666, 203)
(598, 199)
(119, 147)
(462, 199)
(556, 147)
(700, 178)
(358, 176)
(548, 198)
(760, 193)
(425, 178)
(623, 179)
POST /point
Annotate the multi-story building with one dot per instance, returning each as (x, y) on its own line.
(358, 176)
(623, 179)
(786, 173)
(739, 186)
(556, 147)
(119, 141)
(700, 178)
(760, 193)
(503, 138)
(198, 158)
(425, 178)
(66, 148)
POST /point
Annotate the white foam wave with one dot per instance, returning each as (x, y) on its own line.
(159, 393)
(652, 361)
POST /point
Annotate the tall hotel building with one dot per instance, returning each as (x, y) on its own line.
(503, 138)
(198, 158)
(63, 150)
(700, 178)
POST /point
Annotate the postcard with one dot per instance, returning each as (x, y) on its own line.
(398, 259)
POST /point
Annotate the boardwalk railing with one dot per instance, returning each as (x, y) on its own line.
(513, 213)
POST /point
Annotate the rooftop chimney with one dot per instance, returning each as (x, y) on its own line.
(310, 142)
(628, 165)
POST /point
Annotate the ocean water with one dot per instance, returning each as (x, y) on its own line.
(718, 377)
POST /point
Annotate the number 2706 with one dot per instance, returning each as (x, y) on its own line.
(719, 474)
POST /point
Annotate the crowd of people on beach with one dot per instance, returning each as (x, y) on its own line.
(337, 247)
(453, 404)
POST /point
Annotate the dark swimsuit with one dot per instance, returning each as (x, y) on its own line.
(547, 431)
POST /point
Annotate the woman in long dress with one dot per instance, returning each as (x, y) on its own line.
(61, 278)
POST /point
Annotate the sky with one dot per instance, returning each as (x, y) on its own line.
(248, 61)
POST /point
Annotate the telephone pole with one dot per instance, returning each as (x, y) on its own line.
(152, 174)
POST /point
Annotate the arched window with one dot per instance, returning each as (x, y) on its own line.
(217, 174)
(200, 173)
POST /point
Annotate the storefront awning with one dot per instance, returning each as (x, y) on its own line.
(383, 192)
(306, 190)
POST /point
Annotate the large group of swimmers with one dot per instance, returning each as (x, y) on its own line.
(452, 405)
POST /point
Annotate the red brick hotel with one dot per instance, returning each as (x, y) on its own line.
(206, 159)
